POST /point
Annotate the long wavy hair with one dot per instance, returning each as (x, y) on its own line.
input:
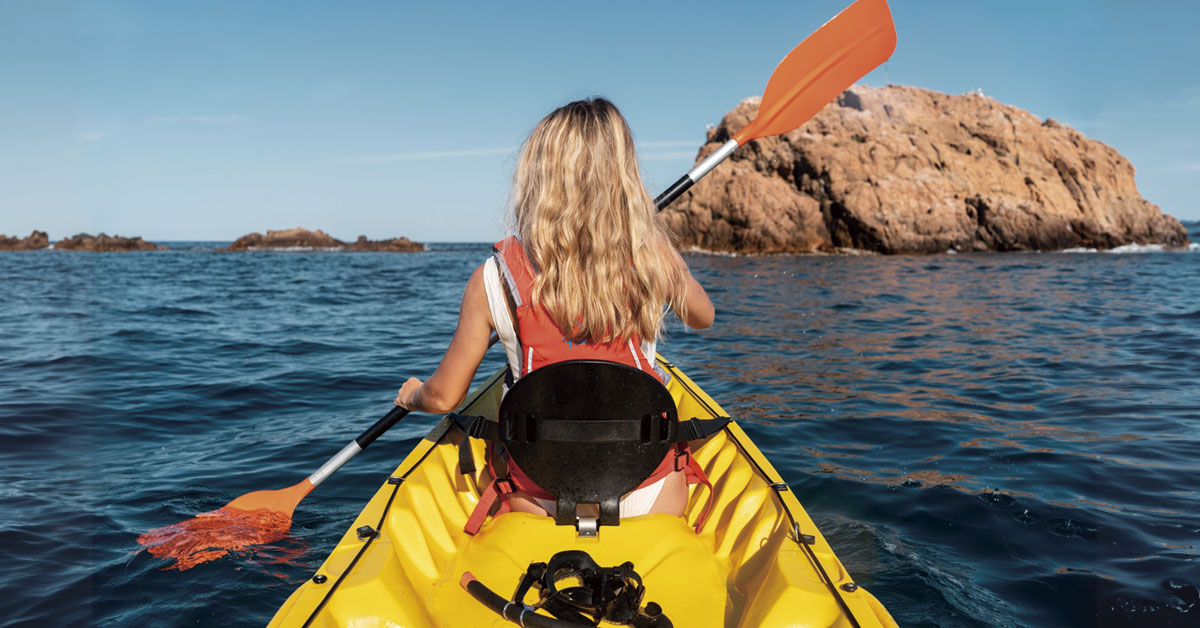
(605, 269)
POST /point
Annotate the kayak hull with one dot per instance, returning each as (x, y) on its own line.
(746, 568)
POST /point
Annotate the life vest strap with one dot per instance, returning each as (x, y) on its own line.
(497, 490)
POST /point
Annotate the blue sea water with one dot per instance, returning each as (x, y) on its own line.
(985, 439)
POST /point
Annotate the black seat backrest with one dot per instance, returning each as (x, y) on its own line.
(587, 432)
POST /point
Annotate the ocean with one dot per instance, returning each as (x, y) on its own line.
(985, 439)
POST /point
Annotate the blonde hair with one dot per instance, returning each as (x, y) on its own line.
(604, 262)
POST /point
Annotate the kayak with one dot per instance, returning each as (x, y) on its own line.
(758, 561)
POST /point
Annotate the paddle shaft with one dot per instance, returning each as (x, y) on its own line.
(355, 446)
(692, 176)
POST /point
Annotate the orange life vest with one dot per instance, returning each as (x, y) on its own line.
(541, 340)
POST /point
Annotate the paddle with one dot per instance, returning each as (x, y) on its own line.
(254, 518)
(830, 60)
(839, 53)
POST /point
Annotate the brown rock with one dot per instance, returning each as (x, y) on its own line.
(32, 242)
(394, 245)
(286, 239)
(105, 243)
(305, 239)
(908, 170)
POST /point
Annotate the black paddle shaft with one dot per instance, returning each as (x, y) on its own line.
(673, 192)
(382, 425)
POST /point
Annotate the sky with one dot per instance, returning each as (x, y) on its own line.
(209, 120)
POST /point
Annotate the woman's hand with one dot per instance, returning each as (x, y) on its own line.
(408, 393)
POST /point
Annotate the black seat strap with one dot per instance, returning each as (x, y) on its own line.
(473, 427)
(700, 429)
(606, 431)
(617, 430)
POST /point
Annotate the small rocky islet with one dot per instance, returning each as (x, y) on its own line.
(39, 240)
(105, 243)
(304, 239)
(33, 242)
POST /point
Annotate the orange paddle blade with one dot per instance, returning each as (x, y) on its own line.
(252, 519)
(283, 500)
(211, 535)
(842, 51)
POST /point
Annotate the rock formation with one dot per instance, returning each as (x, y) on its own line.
(286, 239)
(305, 239)
(103, 243)
(394, 245)
(907, 170)
(32, 242)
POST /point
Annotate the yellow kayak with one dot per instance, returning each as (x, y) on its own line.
(759, 560)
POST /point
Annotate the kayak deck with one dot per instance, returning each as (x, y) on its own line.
(746, 568)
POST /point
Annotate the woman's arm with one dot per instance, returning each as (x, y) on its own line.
(698, 308)
(446, 389)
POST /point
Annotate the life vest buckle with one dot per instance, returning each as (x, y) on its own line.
(505, 485)
(687, 459)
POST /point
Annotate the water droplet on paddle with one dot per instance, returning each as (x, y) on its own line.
(211, 535)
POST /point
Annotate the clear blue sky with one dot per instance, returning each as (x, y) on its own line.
(208, 120)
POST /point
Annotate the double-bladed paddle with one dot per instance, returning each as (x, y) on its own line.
(830, 60)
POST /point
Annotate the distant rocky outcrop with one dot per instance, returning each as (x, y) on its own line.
(105, 243)
(908, 170)
(286, 239)
(394, 245)
(305, 239)
(32, 242)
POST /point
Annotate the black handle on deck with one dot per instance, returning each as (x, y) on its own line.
(381, 426)
(516, 612)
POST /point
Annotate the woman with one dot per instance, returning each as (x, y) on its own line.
(586, 277)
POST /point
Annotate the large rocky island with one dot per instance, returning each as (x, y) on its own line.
(907, 170)
(33, 242)
(303, 239)
(105, 243)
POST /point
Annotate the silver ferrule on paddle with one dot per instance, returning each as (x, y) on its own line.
(708, 163)
(333, 464)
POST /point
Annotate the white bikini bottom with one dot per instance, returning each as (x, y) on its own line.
(634, 503)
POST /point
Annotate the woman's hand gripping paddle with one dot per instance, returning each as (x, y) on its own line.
(254, 518)
(842, 51)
